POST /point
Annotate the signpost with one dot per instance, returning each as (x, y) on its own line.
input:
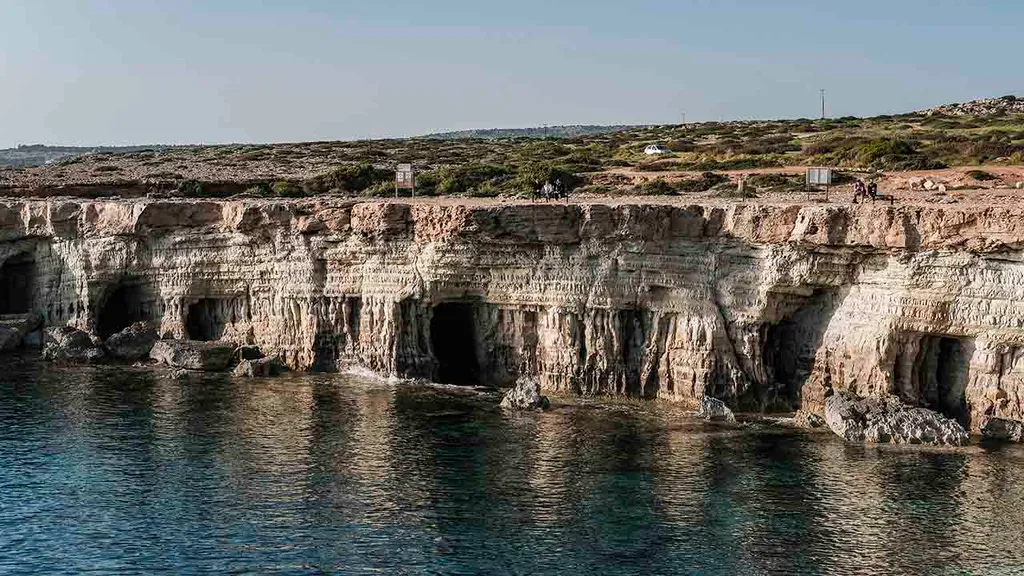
(405, 179)
(817, 177)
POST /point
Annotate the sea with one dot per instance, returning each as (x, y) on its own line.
(125, 470)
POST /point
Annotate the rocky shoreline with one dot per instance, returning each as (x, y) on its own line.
(764, 307)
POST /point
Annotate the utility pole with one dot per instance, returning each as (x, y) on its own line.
(822, 103)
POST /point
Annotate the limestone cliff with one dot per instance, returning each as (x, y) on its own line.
(764, 306)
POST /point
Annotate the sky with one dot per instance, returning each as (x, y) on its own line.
(118, 72)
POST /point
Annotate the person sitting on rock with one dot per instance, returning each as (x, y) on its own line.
(873, 190)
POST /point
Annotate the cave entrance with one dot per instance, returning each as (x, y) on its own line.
(453, 339)
(939, 376)
(122, 308)
(790, 346)
(204, 322)
(17, 283)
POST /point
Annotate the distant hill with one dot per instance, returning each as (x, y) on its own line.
(39, 154)
(574, 131)
(983, 107)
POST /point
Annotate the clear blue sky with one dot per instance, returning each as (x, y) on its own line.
(181, 71)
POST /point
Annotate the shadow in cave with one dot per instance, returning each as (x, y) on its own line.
(790, 347)
(934, 374)
(17, 283)
(204, 322)
(453, 339)
(122, 308)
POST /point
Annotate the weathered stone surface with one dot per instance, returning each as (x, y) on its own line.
(714, 410)
(193, 355)
(882, 420)
(809, 420)
(132, 343)
(525, 395)
(772, 306)
(67, 344)
(259, 368)
(1003, 429)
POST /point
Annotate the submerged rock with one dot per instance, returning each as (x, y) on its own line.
(193, 354)
(259, 368)
(525, 396)
(887, 419)
(714, 410)
(67, 344)
(1003, 429)
(132, 343)
(10, 338)
(809, 420)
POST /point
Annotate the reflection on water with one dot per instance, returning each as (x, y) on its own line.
(115, 470)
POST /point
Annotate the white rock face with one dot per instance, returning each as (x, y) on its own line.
(762, 306)
(67, 344)
(887, 420)
(525, 395)
(713, 409)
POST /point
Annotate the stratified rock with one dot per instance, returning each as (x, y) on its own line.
(259, 368)
(1003, 429)
(887, 419)
(132, 343)
(809, 420)
(525, 395)
(714, 410)
(193, 354)
(67, 344)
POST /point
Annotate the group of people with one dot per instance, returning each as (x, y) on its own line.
(550, 191)
(865, 191)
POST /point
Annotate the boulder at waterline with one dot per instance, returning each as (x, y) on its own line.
(132, 343)
(194, 354)
(259, 368)
(714, 410)
(888, 419)
(67, 344)
(1003, 429)
(525, 395)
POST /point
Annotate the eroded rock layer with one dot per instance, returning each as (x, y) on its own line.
(763, 306)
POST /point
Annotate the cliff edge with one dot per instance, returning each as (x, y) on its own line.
(766, 306)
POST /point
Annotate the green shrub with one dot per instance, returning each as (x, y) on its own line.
(287, 189)
(190, 188)
(707, 181)
(656, 187)
(347, 179)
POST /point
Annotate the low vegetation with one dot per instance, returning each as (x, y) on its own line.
(515, 163)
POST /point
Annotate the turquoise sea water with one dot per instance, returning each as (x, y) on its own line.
(118, 470)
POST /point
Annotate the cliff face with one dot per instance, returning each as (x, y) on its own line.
(764, 306)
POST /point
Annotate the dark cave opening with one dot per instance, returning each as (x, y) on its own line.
(122, 308)
(453, 339)
(939, 376)
(790, 347)
(203, 321)
(17, 283)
